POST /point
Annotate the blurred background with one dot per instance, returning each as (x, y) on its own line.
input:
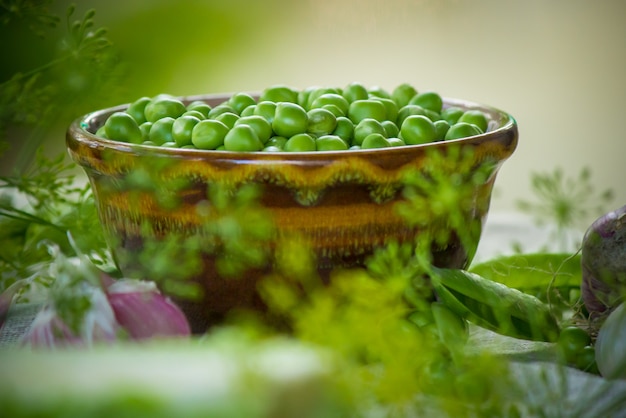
(557, 66)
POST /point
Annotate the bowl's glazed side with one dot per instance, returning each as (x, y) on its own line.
(342, 203)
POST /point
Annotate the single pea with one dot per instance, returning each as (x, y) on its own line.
(181, 129)
(331, 99)
(121, 126)
(391, 109)
(407, 111)
(428, 100)
(321, 121)
(418, 129)
(279, 93)
(355, 91)
(396, 142)
(475, 117)
(195, 114)
(391, 129)
(319, 92)
(145, 130)
(277, 141)
(304, 95)
(271, 148)
(363, 109)
(164, 106)
(248, 111)
(227, 119)
(403, 93)
(170, 144)
(334, 110)
(188, 146)
(266, 109)
(149, 143)
(209, 134)
(161, 130)
(366, 127)
(289, 119)
(200, 106)
(219, 109)
(452, 114)
(137, 108)
(260, 125)
(441, 126)
(378, 91)
(101, 132)
(462, 130)
(375, 141)
(434, 116)
(239, 101)
(301, 142)
(330, 143)
(354, 148)
(344, 129)
(242, 138)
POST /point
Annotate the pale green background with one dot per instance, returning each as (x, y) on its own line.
(557, 66)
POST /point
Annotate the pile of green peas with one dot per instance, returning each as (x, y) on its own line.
(284, 119)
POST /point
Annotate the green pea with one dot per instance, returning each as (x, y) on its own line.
(121, 126)
(195, 114)
(330, 143)
(403, 94)
(428, 100)
(317, 93)
(276, 141)
(170, 144)
(181, 129)
(272, 148)
(162, 107)
(441, 126)
(289, 119)
(462, 130)
(260, 125)
(209, 134)
(375, 140)
(137, 108)
(366, 127)
(391, 129)
(355, 91)
(331, 99)
(145, 130)
(366, 109)
(239, 101)
(301, 142)
(279, 93)
(266, 109)
(201, 107)
(101, 132)
(396, 142)
(572, 340)
(161, 130)
(227, 118)
(242, 138)
(391, 109)
(475, 117)
(334, 110)
(304, 95)
(219, 109)
(407, 111)
(321, 121)
(344, 129)
(418, 129)
(452, 114)
(248, 111)
(379, 92)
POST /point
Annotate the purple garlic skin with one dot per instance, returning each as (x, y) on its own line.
(144, 312)
(603, 259)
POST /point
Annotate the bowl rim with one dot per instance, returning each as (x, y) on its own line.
(79, 132)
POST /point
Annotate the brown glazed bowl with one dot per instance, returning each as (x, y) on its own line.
(342, 202)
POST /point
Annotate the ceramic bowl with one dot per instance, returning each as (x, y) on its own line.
(342, 202)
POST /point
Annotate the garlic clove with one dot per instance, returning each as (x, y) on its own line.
(144, 312)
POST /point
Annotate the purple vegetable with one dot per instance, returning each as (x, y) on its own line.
(604, 263)
(144, 312)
